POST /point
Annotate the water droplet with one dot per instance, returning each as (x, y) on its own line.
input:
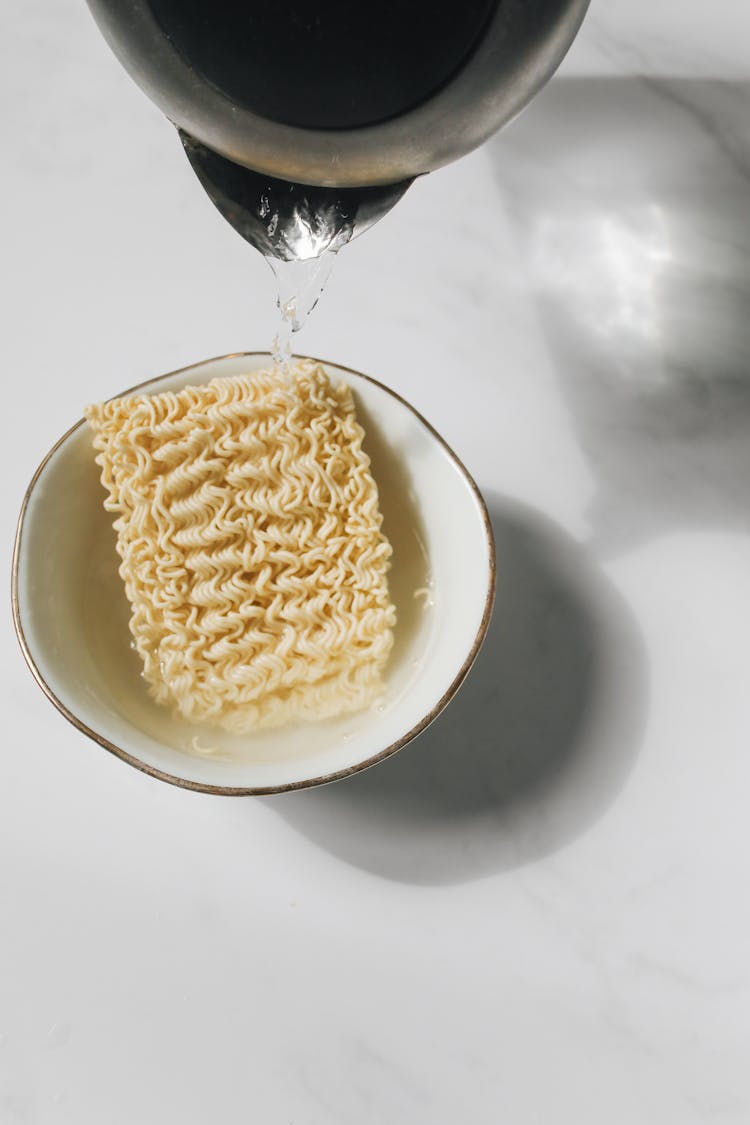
(300, 284)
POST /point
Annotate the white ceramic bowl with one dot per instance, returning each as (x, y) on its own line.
(71, 614)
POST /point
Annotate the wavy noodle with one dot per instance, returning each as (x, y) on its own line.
(251, 545)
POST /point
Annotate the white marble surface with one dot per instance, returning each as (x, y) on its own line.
(539, 911)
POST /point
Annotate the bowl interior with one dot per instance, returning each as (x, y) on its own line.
(73, 614)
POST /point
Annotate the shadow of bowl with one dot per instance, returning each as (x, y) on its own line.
(533, 750)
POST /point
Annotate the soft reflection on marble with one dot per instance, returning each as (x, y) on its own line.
(678, 38)
(537, 744)
(635, 228)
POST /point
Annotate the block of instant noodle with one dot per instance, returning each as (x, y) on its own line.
(252, 553)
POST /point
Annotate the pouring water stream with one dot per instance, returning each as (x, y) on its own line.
(298, 228)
